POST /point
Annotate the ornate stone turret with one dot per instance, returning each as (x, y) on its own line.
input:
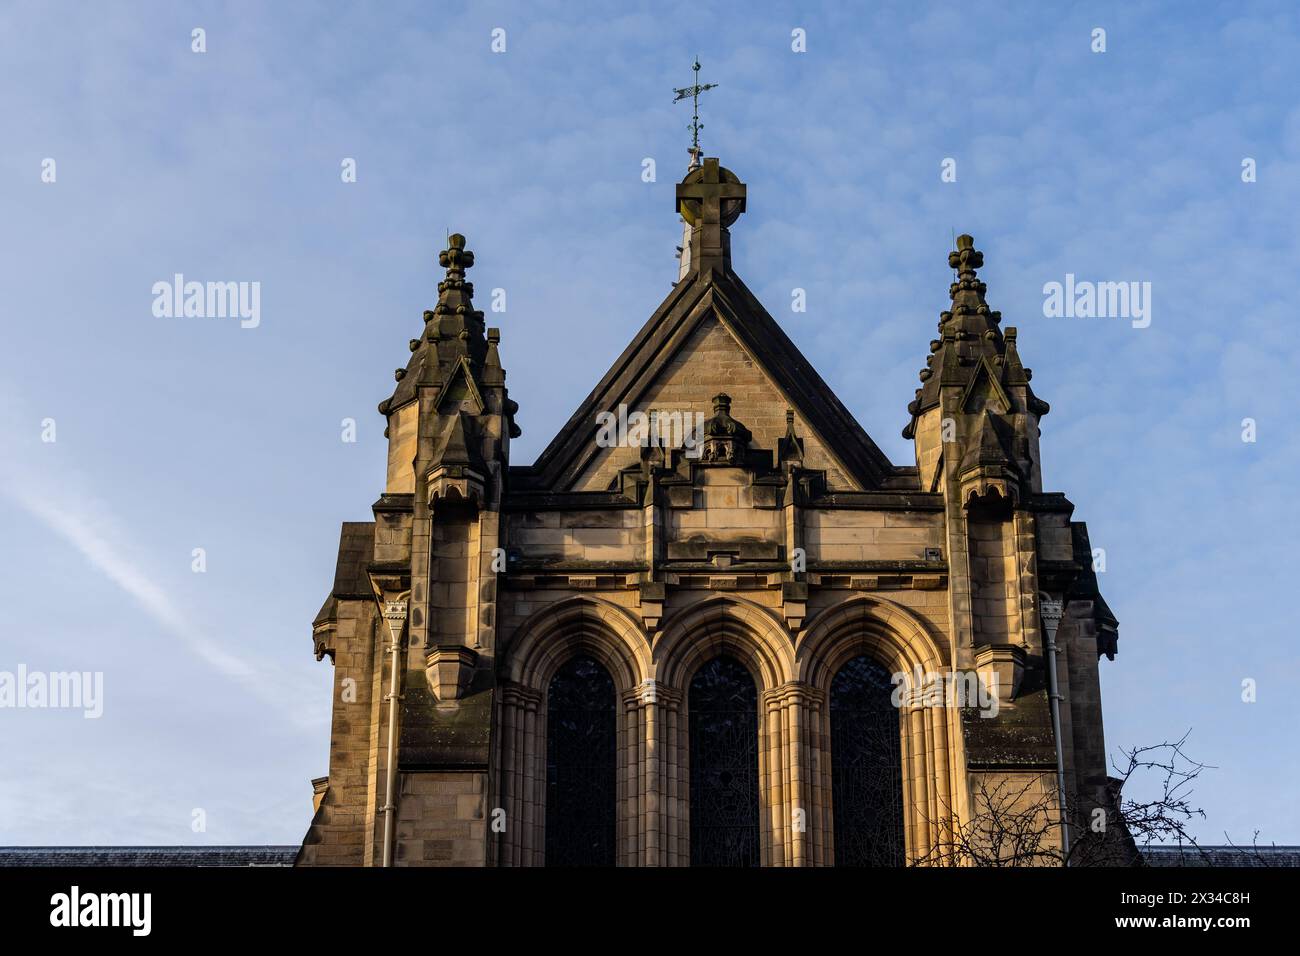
(457, 359)
(975, 425)
(453, 330)
(975, 403)
(450, 422)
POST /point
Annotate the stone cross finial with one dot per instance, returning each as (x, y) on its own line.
(965, 258)
(710, 199)
(455, 258)
(701, 195)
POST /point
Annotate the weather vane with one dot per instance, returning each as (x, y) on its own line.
(694, 92)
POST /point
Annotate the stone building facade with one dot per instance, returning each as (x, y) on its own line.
(671, 646)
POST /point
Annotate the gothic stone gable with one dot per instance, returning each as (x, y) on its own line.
(712, 359)
(711, 335)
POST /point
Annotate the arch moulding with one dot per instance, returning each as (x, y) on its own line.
(934, 782)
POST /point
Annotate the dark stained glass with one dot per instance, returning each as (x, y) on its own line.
(581, 751)
(723, 708)
(867, 768)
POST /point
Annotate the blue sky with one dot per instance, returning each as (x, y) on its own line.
(176, 434)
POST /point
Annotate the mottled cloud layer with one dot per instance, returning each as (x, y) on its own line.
(175, 434)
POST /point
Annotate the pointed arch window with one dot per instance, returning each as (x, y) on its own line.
(866, 767)
(723, 715)
(581, 754)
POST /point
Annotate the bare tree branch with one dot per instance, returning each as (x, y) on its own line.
(1018, 823)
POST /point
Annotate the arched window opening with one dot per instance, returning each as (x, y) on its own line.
(866, 767)
(723, 711)
(581, 754)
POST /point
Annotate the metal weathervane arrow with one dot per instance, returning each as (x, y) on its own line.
(694, 92)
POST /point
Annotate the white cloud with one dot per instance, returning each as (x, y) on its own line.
(64, 502)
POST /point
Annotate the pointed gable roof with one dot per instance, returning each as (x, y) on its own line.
(972, 350)
(453, 447)
(701, 296)
(993, 447)
(709, 200)
(454, 349)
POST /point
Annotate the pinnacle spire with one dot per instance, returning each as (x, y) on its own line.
(455, 292)
(970, 333)
(789, 450)
(453, 329)
(965, 258)
(970, 328)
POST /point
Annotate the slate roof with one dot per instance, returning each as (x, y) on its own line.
(356, 551)
(12, 856)
(1085, 587)
(191, 856)
(1210, 856)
